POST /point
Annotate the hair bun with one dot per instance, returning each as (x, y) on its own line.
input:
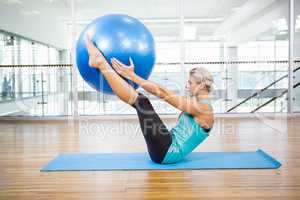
(202, 75)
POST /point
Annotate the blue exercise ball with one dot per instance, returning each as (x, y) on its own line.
(117, 36)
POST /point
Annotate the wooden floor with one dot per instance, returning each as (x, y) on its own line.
(26, 146)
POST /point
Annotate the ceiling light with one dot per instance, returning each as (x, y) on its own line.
(186, 20)
(297, 26)
(49, 1)
(31, 12)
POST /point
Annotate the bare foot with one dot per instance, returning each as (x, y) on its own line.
(96, 58)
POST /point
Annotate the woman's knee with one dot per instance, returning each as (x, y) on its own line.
(143, 105)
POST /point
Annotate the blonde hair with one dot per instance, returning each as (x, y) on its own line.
(203, 76)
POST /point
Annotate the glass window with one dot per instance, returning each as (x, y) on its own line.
(243, 43)
(296, 64)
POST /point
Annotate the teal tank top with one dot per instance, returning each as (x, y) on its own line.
(186, 136)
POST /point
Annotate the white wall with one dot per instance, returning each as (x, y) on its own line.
(41, 22)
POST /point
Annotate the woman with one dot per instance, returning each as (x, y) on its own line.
(194, 123)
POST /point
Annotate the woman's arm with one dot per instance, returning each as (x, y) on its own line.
(182, 103)
(185, 104)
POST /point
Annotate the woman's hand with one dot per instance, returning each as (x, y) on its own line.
(96, 58)
(123, 70)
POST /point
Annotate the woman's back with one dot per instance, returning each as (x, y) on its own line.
(206, 119)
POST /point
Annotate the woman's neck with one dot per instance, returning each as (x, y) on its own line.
(202, 96)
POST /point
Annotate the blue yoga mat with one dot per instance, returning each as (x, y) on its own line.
(141, 161)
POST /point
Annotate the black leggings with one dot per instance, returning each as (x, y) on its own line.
(156, 134)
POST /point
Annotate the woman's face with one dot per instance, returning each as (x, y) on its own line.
(193, 87)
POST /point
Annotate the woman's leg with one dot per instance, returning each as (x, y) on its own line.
(119, 86)
(157, 136)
